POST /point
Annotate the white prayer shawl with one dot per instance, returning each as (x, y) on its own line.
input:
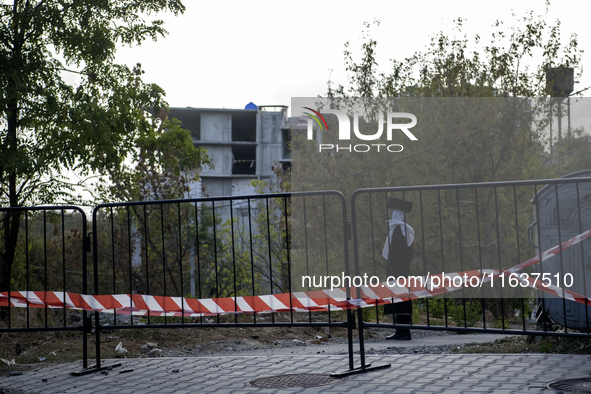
(407, 231)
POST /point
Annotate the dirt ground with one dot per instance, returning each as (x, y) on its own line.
(25, 351)
(29, 349)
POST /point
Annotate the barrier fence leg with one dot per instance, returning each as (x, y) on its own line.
(97, 367)
(86, 328)
(97, 341)
(350, 328)
(361, 339)
(363, 367)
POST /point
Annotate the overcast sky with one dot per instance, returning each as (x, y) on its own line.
(224, 54)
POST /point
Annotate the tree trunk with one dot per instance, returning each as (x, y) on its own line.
(12, 218)
(11, 229)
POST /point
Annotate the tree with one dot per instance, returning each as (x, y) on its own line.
(571, 154)
(513, 64)
(479, 106)
(167, 164)
(51, 127)
(254, 250)
(508, 70)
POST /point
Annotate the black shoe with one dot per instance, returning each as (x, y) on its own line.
(400, 336)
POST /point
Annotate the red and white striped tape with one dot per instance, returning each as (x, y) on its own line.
(317, 300)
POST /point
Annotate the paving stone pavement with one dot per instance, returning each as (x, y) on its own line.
(416, 373)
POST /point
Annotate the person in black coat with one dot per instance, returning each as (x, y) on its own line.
(398, 250)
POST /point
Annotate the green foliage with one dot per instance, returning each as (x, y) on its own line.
(499, 323)
(477, 122)
(571, 154)
(466, 313)
(458, 140)
(52, 127)
(463, 312)
(436, 308)
(166, 166)
(416, 313)
(46, 251)
(547, 347)
(254, 252)
(158, 250)
(454, 65)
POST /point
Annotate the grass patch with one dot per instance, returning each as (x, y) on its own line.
(522, 344)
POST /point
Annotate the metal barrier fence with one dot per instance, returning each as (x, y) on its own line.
(253, 261)
(43, 256)
(220, 262)
(526, 244)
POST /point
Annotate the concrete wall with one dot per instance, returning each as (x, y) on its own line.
(270, 145)
(216, 187)
(216, 127)
(196, 189)
(221, 155)
(269, 157)
(242, 187)
(271, 127)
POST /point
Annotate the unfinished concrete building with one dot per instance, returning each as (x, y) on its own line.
(244, 145)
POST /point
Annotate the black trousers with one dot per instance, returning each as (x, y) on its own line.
(402, 312)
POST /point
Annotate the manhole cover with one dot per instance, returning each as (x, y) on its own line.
(575, 386)
(294, 380)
